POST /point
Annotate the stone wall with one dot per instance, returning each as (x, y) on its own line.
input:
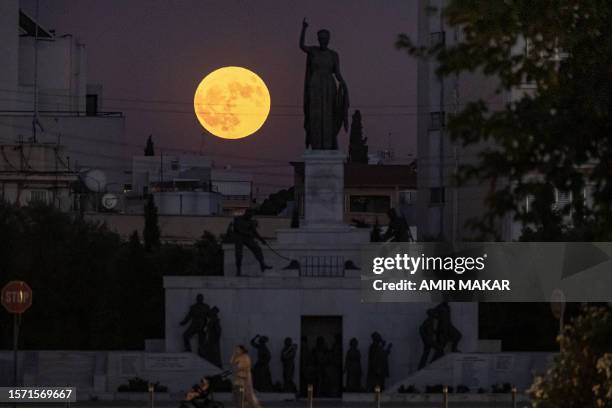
(273, 306)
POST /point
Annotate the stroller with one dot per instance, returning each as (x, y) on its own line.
(201, 395)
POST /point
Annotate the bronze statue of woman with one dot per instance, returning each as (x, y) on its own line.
(325, 104)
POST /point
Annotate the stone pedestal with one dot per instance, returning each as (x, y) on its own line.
(323, 188)
(323, 238)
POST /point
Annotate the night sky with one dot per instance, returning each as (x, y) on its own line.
(150, 56)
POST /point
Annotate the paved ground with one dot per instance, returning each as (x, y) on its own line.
(295, 404)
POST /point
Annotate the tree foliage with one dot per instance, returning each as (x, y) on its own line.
(149, 149)
(151, 232)
(358, 147)
(208, 255)
(91, 289)
(582, 373)
(557, 136)
(276, 202)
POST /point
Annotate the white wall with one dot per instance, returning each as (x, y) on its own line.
(62, 73)
(188, 203)
(273, 306)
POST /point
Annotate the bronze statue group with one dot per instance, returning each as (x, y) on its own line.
(204, 322)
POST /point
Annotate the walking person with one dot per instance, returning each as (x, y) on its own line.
(241, 363)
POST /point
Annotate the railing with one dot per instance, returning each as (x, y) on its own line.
(322, 266)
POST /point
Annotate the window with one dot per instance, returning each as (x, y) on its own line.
(436, 195)
(436, 120)
(437, 38)
(38, 196)
(174, 164)
(91, 105)
(407, 197)
(562, 199)
(369, 203)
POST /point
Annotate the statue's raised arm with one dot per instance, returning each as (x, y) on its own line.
(303, 35)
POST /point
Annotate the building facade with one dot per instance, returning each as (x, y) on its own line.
(45, 97)
(35, 173)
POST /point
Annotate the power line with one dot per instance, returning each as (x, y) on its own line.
(176, 102)
(138, 146)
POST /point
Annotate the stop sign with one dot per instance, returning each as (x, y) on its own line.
(16, 297)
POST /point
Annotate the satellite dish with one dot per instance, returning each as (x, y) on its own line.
(109, 201)
(95, 180)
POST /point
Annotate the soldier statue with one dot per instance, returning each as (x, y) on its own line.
(288, 359)
(262, 377)
(243, 231)
(428, 332)
(198, 315)
(447, 332)
(352, 367)
(398, 230)
(378, 362)
(211, 349)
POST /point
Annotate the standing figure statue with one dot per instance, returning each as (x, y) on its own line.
(398, 229)
(288, 360)
(429, 336)
(197, 316)
(378, 362)
(352, 367)
(325, 104)
(243, 231)
(447, 332)
(211, 350)
(262, 378)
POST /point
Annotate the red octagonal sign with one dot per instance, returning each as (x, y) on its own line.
(16, 297)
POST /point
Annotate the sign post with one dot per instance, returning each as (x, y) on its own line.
(16, 297)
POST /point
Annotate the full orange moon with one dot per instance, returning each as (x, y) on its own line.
(232, 102)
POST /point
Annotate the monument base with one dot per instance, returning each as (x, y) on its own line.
(323, 188)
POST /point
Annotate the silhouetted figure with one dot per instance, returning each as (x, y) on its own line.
(211, 349)
(352, 367)
(398, 230)
(325, 105)
(447, 332)
(288, 361)
(386, 351)
(375, 234)
(262, 378)
(244, 233)
(198, 316)
(428, 332)
(378, 362)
